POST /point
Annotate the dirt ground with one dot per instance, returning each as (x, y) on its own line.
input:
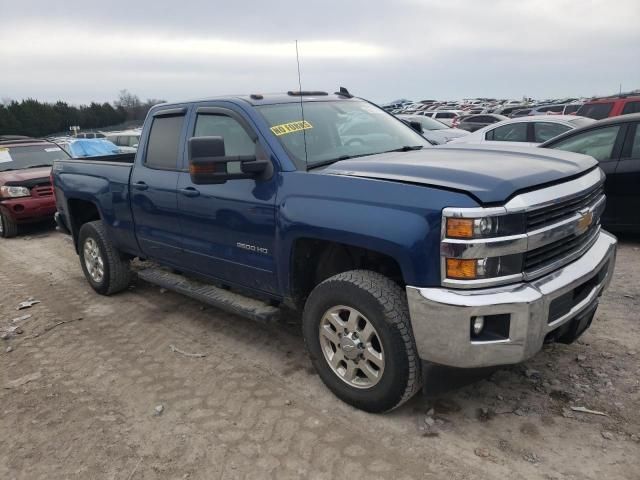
(103, 396)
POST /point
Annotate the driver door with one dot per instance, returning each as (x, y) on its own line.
(229, 229)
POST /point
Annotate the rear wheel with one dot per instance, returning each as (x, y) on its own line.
(103, 266)
(356, 327)
(8, 228)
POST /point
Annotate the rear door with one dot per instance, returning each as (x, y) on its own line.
(229, 228)
(627, 183)
(154, 179)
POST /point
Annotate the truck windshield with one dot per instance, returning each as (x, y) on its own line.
(337, 130)
(30, 156)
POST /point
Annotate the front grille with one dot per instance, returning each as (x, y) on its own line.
(557, 212)
(562, 305)
(547, 254)
(45, 190)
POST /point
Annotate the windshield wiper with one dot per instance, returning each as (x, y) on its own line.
(324, 163)
(40, 166)
(406, 148)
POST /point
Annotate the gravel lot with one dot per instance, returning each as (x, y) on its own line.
(104, 396)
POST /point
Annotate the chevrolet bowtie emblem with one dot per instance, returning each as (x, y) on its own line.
(585, 220)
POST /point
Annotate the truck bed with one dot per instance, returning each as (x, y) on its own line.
(106, 178)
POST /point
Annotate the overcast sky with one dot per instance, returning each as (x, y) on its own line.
(81, 51)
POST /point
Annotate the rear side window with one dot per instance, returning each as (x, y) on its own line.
(162, 151)
(597, 111)
(445, 115)
(631, 107)
(543, 131)
(515, 132)
(598, 142)
(569, 109)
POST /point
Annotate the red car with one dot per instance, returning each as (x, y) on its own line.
(26, 194)
(599, 108)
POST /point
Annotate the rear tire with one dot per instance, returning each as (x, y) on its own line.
(8, 228)
(357, 330)
(104, 267)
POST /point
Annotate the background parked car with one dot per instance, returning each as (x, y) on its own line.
(525, 130)
(26, 194)
(90, 135)
(508, 110)
(82, 148)
(555, 109)
(129, 138)
(444, 116)
(471, 123)
(615, 143)
(433, 130)
(600, 108)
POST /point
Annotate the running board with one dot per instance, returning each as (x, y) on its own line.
(218, 297)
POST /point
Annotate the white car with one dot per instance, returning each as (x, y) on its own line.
(444, 116)
(525, 131)
(127, 140)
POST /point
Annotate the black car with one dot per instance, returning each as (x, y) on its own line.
(615, 143)
(471, 123)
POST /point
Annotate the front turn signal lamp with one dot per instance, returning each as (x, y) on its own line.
(462, 269)
(460, 227)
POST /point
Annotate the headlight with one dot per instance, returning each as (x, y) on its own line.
(484, 227)
(481, 247)
(14, 192)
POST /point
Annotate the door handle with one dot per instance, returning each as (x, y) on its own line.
(140, 186)
(189, 192)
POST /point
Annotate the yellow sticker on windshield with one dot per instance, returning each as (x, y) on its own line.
(291, 127)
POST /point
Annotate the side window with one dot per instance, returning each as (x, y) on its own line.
(162, 151)
(515, 132)
(597, 142)
(236, 138)
(543, 131)
(631, 107)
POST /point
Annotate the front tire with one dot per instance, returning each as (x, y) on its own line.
(357, 330)
(8, 228)
(104, 268)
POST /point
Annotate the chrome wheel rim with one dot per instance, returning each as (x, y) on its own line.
(1, 225)
(351, 346)
(93, 260)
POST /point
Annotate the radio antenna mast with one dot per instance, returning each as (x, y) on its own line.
(304, 130)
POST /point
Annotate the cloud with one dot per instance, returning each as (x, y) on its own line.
(379, 49)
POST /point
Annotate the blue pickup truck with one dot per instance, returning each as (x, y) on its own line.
(394, 253)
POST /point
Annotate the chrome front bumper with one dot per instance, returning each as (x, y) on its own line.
(441, 317)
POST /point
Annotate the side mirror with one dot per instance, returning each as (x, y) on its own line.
(208, 163)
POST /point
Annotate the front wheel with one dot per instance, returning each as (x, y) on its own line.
(103, 266)
(8, 228)
(356, 327)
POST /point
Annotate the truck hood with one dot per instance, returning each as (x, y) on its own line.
(490, 174)
(17, 177)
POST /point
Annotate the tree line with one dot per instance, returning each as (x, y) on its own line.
(38, 119)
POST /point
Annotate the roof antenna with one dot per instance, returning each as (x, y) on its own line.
(304, 130)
